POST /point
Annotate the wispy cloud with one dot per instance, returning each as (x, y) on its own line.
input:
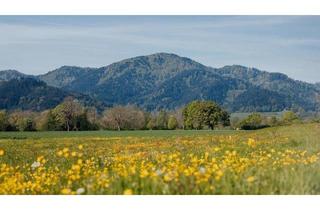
(276, 43)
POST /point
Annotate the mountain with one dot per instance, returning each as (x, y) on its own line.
(127, 81)
(32, 94)
(164, 80)
(64, 75)
(7, 75)
(295, 93)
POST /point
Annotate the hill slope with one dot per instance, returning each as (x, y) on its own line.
(166, 80)
(32, 94)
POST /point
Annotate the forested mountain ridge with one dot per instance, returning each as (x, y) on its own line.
(168, 81)
(7, 75)
(33, 94)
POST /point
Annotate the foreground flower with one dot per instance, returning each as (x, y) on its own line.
(250, 179)
(80, 191)
(202, 170)
(60, 153)
(65, 191)
(251, 142)
(127, 192)
(35, 164)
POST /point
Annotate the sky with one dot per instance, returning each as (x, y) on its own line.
(286, 44)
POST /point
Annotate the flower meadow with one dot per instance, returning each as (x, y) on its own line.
(283, 160)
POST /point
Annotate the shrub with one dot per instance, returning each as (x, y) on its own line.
(289, 117)
(253, 122)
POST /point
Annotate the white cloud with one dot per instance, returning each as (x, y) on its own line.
(274, 43)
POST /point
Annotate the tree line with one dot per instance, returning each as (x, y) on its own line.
(70, 115)
(257, 121)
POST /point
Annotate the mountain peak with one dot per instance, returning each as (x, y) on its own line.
(164, 54)
(10, 74)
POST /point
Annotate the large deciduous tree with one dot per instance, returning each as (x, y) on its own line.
(68, 111)
(123, 118)
(198, 114)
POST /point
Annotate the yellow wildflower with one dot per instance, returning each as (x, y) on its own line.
(250, 179)
(66, 191)
(60, 153)
(128, 192)
(251, 142)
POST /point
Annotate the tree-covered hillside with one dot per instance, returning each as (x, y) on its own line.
(169, 81)
(32, 94)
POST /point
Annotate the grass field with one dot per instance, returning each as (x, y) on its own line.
(102, 134)
(280, 160)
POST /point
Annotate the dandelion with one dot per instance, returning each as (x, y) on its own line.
(219, 173)
(40, 158)
(144, 173)
(128, 192)
(167, 178)
(1, 152)
(66, 191)
(60, 153)
(250, 179)
(251, 142)
(216, 149)
(80, 147)
(76, 167)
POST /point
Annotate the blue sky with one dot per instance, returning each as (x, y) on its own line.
(38, 44)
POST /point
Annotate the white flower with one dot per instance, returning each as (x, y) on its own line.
(202, 170)
(80, 191)
(35, 164)
(158, 172)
